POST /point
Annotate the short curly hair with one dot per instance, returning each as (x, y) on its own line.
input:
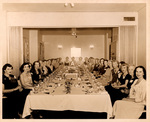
(22, 66)
(5, 66)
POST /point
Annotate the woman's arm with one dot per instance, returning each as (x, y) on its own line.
(19, 83)
(124, 85)
(9, 90)
(22, 80)
(121, 86)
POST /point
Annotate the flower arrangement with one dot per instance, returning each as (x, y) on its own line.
(68, 86)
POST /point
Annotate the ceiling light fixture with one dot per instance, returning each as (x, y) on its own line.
(66, 4)
(74, 32)
(72, 5)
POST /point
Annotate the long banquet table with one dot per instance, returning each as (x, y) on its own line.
(81, 98)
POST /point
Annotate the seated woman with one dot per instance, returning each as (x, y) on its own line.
(80, 62)
(131, 72)
(36, 71)
(57, 63)
(60, 61)
(26, 78)
(45, 69)
(120, 64)
(121, 84)
(49, 64)
(133, 106)
(73, 62)
(91, 64)
(41, 65)
(96, 66)
(115, 75)
(101, 66)
(67, 62)
(11, 89)
(107, 76)
(131, 81)
(86, 62)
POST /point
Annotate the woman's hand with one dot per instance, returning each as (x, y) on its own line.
(114, 85)
(17, 88)
(122, 91)
(20, 89)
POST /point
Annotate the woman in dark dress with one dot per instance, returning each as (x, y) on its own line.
(49, 64)
(11, 91)
(101, 66)
(114, 74)
(131, 72)
(36, 72)
(96, 66)
(121, 85)
(67, 62)
(45, 69)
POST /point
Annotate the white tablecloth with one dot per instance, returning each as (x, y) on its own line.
(79, 102)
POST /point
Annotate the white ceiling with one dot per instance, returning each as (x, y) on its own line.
(78, 7)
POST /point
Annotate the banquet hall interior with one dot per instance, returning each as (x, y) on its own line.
(42, 30)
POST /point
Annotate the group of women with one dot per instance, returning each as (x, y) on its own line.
(126, 84)
(15, 90)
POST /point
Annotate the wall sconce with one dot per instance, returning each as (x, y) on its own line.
(91, 46)
(59, 46)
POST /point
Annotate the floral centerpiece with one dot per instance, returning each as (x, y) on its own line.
(68, 86)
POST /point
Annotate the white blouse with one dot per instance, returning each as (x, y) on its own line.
(138, 91)
(26, 81)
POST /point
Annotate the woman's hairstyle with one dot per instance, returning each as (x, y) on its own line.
(22, 66)
(124, 64)
(144, 71)
(44, 60)
(33, 67)
(121, 62)
(5, 66)
(105, 60)
(116, 62)
(102, 59)
(131, 65)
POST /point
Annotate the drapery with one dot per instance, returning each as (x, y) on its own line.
(128, 44)
(15, 53)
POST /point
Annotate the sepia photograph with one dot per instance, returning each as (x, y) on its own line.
(71, 60)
